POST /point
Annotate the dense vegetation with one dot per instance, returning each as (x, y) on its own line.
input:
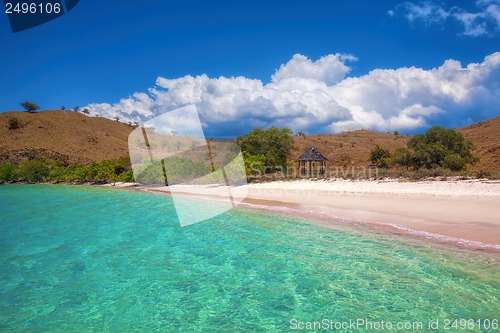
(270, 147)
(263, 150)
(48, 169)
(172, 170)
(260, 148)
(253, 163)
(437, 148)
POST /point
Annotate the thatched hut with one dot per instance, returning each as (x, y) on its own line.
(312, 163)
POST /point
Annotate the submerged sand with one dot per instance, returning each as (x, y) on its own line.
(458, 210)
(463, 209)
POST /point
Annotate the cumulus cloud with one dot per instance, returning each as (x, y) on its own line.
(318, 97)
(484, 21)
(297, 97)
(329, 69)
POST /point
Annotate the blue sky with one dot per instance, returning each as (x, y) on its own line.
(143, 54)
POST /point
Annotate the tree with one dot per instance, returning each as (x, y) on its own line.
(440, 147)
(275, 144)
(76, 108)
(402, 156)
(254, 164)
(86, 111)
(63, 108)
(302, 134)
(380, 157)
(396, 134)
(29, 106)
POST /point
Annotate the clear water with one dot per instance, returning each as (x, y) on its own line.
(86, 259)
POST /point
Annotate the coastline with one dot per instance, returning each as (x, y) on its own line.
(465, 213)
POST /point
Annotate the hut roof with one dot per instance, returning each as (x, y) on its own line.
(312, 155)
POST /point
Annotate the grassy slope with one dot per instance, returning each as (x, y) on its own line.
(486, 137)
(84, 139)
(345, 149)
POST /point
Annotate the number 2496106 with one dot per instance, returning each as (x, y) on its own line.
(32, 8)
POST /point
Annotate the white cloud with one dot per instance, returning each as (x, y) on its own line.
(427, 12)
(328, 69)
(474, 23)
(494, 11)
(316, 97)
(484, 21)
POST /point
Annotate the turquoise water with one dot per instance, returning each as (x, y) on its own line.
(86, 259)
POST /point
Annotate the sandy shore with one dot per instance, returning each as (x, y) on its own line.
(459, 210)
(468, 210)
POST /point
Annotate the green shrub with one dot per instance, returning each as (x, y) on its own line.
(181, 169)
(8, 172)
(58, 174)
(151, 173)
(402, 156)
(127, 176)
(35, 170)
(380, 157)
(454, 162)
(254, 164)
(13, 123)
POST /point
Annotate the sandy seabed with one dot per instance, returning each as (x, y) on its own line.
(463, 211)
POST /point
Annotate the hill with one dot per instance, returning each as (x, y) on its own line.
(349, 148)
(80, 138)
(486, 137)
(344, 149)
(83, 139)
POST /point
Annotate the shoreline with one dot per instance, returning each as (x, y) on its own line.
(459, 213)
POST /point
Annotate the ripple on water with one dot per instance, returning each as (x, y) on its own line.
(94, 259)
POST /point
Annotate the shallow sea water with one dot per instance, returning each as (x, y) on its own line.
(88, 259)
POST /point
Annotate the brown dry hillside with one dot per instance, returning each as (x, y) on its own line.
(354, 147)
(486, 137)
(82, 139)
(349, 148)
